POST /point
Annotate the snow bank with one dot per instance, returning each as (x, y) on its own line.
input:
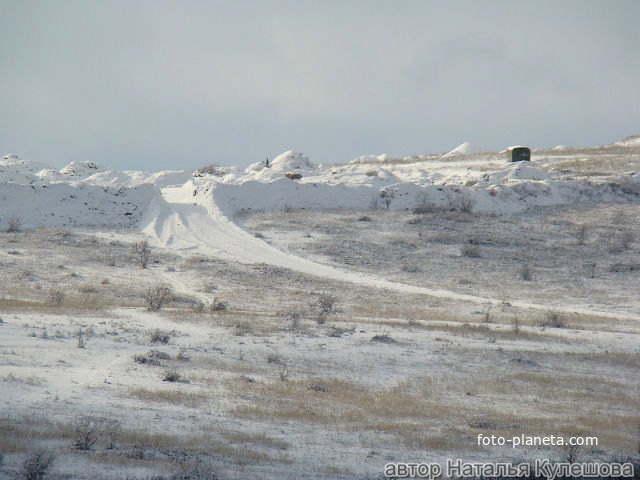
(632, 141)
(290, 160)
(465, 148)
(81, 170)
(164, 178)
(81, 205)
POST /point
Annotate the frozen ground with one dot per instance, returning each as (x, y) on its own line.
(507, 304)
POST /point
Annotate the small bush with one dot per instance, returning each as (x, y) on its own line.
(111, 430)
(465, 203)
(143, 253)
(171, 376)
(364, 218)
(515, 325)
(88, 289)
(146, 360)
(470, 251)
(157, 297)
(242, 328)
(87, 430)
(554, 320)
(55, 297)
(526, 273)
(14, 224)
(182, 355)
(581, 233)
(35, 467)
(423, 208)
(384, 338)
(160, 336)
(325, 305)
(80, 335)
(274, 358)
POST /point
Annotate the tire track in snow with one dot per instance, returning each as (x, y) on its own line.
(181, 225)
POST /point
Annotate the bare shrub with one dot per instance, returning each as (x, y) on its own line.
(515, 325)
(160, 336)
(111, 430)
(152, 357)
(80, 335)
(146, 360)
(384, 338)
(325, 305)
(284, 373)
(182, 355)
(526, 273)
(592, 269)
(88, 289)
(553, 319)
(470, 250)
(35, 466)
(14, 224)
(581, 233)
(423, 208)
(143, 253)
(465, 203)
(293, 321)
(571, 453)
(364, 218)
(171, 376)
(157, 296)
(87, 429)
(274, 358)
(242, 328)
(55, 297)
(486, 317)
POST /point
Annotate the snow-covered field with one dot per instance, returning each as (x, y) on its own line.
(320, 326)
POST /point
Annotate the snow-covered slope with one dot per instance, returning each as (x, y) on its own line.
(83, 193)
(466, 148)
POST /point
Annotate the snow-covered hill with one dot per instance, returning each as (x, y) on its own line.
(84, 193)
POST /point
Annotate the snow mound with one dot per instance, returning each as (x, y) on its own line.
(632, 141)
(164, 178)
(465, 148)
(518, 171)
(81, 170)
(290, 160)
(75, 205)
(16, 170)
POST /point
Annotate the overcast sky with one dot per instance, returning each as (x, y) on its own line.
(155, 85)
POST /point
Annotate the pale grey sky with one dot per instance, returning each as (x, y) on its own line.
(157, 84)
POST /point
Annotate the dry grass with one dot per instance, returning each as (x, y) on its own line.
(73, 304)
(256, 438)
(20, 435)
(598, 166)
(339, 402)
(172, 396)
